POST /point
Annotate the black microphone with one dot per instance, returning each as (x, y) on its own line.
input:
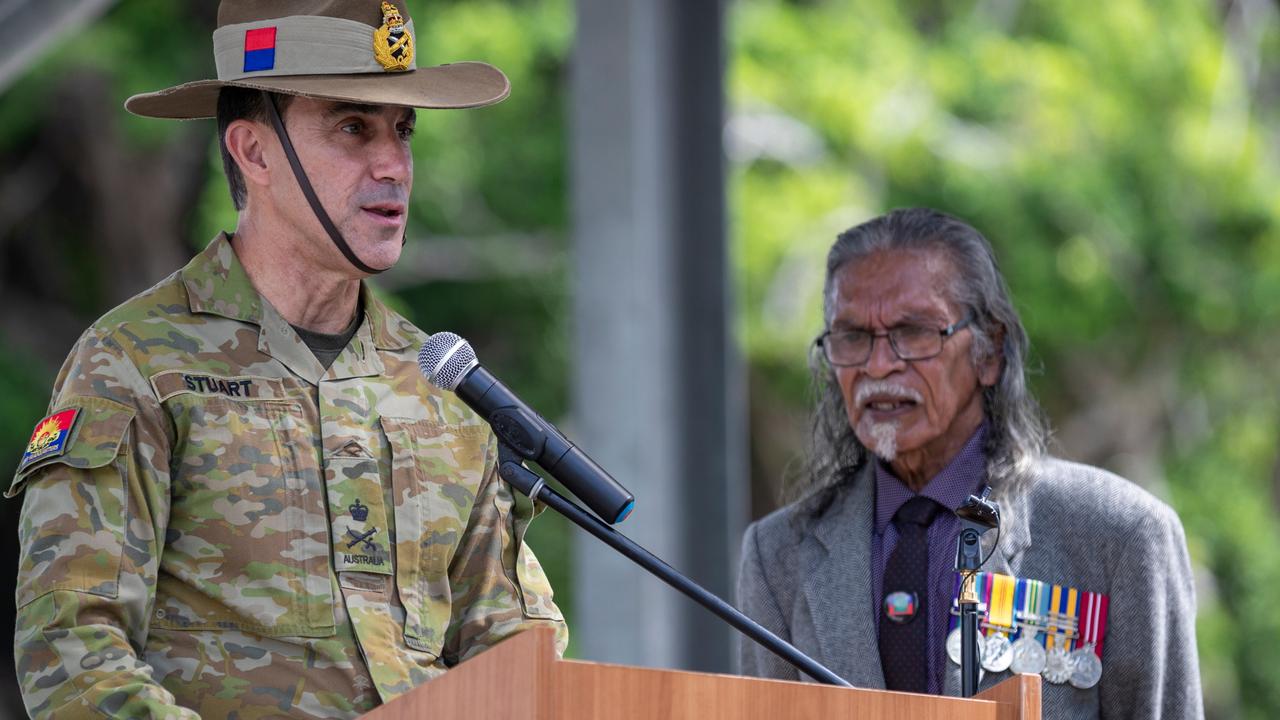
(449, 363)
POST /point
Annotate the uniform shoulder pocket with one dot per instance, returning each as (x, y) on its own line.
(82, 433)
(76, 506)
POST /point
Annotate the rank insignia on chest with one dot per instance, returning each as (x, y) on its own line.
(52, 436)
(358, 511)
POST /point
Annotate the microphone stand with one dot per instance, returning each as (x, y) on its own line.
(967, 565)
(977, 516)
(512, 470)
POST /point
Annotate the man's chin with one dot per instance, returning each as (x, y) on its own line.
(881, 439)
(379, 251)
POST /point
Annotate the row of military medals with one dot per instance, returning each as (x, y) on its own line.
(1034, 627)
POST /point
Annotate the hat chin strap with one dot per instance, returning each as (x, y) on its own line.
(309, 192)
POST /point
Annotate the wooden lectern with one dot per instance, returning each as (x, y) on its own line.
(522, 679)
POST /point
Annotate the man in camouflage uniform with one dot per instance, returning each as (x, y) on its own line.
(247, 501)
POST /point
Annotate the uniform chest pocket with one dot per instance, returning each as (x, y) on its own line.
(247, 544)
(436, 471)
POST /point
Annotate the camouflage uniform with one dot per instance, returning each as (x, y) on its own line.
(232, 531)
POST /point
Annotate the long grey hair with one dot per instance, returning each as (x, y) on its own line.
(1016, 433)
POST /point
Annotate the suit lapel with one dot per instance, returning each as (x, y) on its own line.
(839, 589)
(1015, 529)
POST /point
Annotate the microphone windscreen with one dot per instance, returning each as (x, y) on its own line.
(445, 358)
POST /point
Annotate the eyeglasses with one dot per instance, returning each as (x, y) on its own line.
(909, 342)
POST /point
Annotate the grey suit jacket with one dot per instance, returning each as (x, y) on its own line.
(808, 580)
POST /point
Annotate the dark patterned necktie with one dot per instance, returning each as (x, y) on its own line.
(904, 642)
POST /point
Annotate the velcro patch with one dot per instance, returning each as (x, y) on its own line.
(241, 387)
(259, 49)
(51, 438)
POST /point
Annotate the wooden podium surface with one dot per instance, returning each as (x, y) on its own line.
(522, 679)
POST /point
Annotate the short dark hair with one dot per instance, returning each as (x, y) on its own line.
(238, 103)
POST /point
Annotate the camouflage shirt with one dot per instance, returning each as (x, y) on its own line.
(224, 528)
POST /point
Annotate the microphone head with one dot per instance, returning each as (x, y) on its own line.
(445, 358)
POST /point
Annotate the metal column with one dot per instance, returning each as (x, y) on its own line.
(657, 389)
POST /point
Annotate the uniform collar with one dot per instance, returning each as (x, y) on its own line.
(217, 284)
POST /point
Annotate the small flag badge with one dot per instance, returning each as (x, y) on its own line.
(259, 49)
(50, 436)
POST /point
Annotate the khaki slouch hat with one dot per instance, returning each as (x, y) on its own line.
(360, 51)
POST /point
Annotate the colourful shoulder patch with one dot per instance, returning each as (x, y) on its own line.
(51, 436)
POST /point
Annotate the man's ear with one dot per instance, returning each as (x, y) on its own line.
(245, 141)
(990, 366)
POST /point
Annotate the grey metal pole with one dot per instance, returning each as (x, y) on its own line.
(657, 388)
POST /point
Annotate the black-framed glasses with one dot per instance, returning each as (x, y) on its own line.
(909, 342)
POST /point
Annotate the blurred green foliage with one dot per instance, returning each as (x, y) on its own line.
(1122, 160)
(1120, 156)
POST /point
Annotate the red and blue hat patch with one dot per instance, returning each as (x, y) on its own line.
(259, 49)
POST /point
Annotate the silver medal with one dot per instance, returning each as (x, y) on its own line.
(1086, 668)
(1057, 666)
(1028, 656)
(953, 646)
(998, 653)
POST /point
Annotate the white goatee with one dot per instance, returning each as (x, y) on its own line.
(884, 437)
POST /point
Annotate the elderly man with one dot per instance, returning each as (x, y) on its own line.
(246, 500)
(925, 402)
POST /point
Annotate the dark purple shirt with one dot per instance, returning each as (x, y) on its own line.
(965, 475)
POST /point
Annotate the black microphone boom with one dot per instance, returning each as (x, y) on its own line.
(450, 364)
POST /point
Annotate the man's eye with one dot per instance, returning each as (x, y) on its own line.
(406, 132)
(353, 128)
(914, 333)
(852, 337)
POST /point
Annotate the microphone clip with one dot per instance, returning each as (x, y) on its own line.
(511, 468)
(977, 516)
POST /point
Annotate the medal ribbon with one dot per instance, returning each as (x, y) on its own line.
(1028, 606)
(955, 604)
(1019, 602)
(986, 595)
(1000, 612)
(1070, 611)
(1055, 597)
(1093, 621)
(1043, 595)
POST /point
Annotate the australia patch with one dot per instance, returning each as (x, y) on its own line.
(52, 436)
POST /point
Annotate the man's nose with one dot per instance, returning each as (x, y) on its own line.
(883, 360)
(391, 160)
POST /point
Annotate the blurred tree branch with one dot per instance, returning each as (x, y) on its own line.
(86, 220)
